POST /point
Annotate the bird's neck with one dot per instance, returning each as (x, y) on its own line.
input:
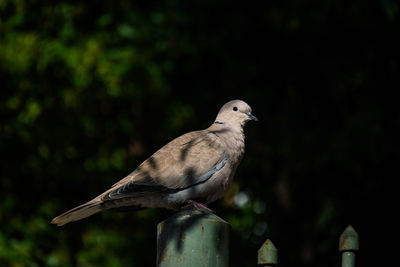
(232, 136)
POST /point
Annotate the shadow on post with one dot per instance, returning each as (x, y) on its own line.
(193, 238)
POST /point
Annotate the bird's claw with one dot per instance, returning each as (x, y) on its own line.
(198, 206)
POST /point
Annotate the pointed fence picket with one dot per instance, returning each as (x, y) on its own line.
(348, 246)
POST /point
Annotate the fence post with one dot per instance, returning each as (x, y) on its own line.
(348, 246)
(267, 254)
(193, 238)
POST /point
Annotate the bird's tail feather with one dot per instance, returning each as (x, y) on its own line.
(80, 212)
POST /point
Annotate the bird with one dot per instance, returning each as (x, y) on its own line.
(195, 169)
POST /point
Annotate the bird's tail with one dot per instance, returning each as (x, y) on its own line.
(80, 212)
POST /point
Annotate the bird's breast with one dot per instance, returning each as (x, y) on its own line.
(235, 146)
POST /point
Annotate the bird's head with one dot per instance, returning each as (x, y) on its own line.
(235, 112)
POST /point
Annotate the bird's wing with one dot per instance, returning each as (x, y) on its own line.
(186, 161)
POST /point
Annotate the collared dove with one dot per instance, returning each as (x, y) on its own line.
(196, 166)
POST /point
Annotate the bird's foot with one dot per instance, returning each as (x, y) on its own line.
(199, 206)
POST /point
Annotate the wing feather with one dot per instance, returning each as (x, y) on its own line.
(186, 161)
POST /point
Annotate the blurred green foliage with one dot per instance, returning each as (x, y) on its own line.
(90, 89)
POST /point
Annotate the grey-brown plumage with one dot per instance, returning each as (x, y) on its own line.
(196, 165)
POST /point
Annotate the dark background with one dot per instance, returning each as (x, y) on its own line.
(91, 89)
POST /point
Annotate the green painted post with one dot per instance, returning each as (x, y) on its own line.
(193, 238)
(348, 246)
(267, 254)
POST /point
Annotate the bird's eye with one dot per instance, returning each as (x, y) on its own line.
(235, 109)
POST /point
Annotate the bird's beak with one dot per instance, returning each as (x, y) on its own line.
(252, 117)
